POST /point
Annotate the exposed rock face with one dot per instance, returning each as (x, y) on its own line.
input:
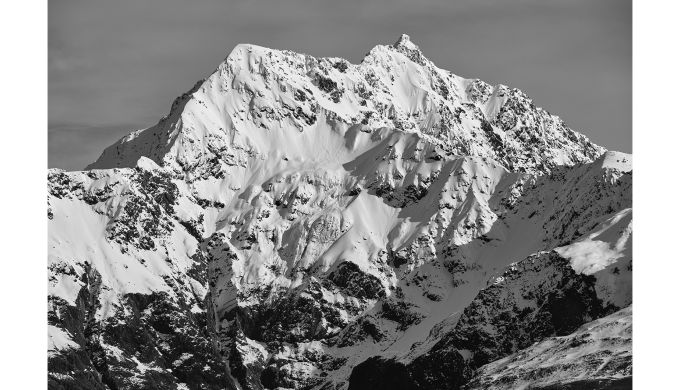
(539, 297)
(597, 356)
(307, 223)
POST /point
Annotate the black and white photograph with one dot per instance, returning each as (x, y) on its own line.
(326, 195)
(304, 221)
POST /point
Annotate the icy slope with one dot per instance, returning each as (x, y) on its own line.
(293, 218)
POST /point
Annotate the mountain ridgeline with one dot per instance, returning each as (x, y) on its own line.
(308, 223)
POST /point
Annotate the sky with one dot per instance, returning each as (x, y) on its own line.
(116, 66)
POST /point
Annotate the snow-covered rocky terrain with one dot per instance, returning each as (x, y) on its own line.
(597, 355)
(307, 223)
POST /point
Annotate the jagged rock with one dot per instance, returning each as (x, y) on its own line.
(599, 351)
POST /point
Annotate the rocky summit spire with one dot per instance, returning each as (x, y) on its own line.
(405, 42)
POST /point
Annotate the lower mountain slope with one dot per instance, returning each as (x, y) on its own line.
(596, 356)
(303, 277)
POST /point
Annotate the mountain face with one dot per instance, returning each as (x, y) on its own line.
(308, 223)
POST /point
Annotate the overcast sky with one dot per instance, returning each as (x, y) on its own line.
(116, 66)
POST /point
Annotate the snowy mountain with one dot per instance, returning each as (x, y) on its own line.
(308, 223)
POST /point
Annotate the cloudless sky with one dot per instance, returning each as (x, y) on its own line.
(116, 66)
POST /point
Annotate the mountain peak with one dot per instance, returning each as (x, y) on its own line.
(405, 42)
(260, 99)
(405, 46)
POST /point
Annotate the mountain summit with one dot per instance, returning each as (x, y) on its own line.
(258, 96)
(308, 223)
